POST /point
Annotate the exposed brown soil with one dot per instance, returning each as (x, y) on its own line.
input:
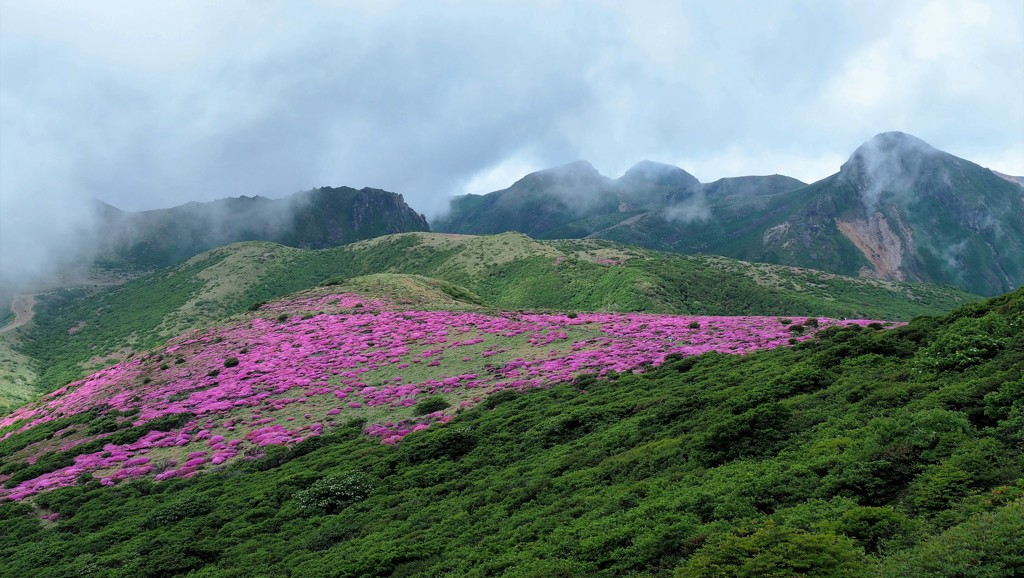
(882, 247)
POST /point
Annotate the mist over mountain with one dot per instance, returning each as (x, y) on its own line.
(1011, 178)
(315, 219)
(898, 209)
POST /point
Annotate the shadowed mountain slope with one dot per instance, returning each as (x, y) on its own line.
(315, 219)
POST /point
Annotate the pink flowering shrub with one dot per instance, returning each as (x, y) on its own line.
(359, 360)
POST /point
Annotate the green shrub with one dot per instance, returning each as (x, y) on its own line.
(967, 342)
(430, 405)
(987, 544)
(178, 511)
(231, 362)
(777, 551)
(871, 527)
(330, 495)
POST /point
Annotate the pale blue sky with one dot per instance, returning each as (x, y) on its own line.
(152, 104)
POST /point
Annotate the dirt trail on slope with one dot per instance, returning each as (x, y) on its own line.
(24, 310)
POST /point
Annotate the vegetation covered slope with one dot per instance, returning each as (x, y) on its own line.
(866, 452)
(897, 209)
(74, 332)
(575, 201)
(297, 367)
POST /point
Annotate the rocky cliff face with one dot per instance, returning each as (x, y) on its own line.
(880, 245)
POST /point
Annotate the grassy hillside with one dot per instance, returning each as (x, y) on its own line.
(76, 332)
(862, 453)
(299, 366)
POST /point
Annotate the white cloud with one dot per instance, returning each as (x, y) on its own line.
(738, 160)
(1009, 161)
(501, 175)
(933, 56)
(147, 105)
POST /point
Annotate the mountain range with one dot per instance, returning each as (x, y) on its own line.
(898, 209)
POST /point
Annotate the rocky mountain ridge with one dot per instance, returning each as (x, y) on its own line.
(898, 209)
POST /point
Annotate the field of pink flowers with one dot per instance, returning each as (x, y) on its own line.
(287, 375)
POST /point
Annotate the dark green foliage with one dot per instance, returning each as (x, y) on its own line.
(986, 545)
(430, 405)
(329, 495)
(874, 527)
(178, 511)
(776, 551)
(256, 306)
(968, 342)
(829, 458)
(231, 362)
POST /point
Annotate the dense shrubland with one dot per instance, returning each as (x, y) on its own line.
(866, 452)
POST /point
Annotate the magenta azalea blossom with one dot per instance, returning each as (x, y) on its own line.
(361, 358)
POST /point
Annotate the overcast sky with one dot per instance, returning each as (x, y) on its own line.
(152, 104)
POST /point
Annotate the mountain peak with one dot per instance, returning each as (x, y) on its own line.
(886, 159)
(652, 173)
(898, 141)
(577, 173)
(895, 144)
(575, 168)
